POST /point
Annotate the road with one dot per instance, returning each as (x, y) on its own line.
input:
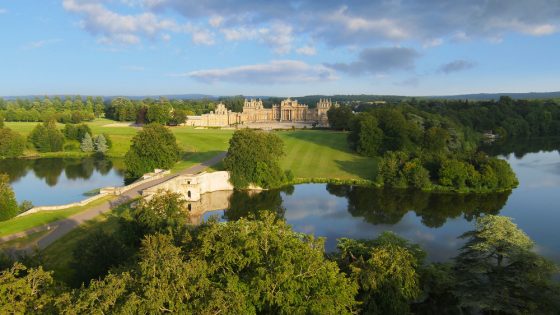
(62, 227)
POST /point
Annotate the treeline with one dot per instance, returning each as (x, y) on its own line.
(161, 111)
(506, 117)
(65, 110)
(156, 262)
(424, 150)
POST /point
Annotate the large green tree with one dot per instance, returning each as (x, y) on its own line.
(153, 147)
(46, 137)
(12, 143)
(497, 271)
(8, 204)
(253, 158)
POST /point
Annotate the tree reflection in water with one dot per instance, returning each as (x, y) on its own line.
(388, 206)
(50, 169)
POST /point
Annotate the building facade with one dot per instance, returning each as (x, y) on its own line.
(288, 111)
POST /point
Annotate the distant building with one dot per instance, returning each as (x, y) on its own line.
(288, 111)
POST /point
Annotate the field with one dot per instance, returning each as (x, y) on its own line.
(309, 153)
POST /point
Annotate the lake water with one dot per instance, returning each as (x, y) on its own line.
(56, 181)
(432, 220)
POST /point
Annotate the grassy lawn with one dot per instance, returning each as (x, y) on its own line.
(310, 153)
(20, 224)
(324, 154)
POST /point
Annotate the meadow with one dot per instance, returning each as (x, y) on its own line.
(310, 154)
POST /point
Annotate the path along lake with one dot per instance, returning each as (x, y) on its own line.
(432, 220)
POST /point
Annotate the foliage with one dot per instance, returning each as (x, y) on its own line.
(165, 212)
(12, 143)
(340, 117)
(386, 270)
(76, 132)
(366, 136)
(26, 291)
(253, 158)
(68, 110)
(178, 117)
(497, 271)
(87, 144)
(46, 137)
(94, 255)
(8, 204)
(153, 147)
(101, 144)
(159, 112)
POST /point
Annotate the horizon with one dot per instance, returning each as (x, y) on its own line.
(277, 48)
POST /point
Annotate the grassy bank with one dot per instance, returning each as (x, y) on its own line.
(21, 224)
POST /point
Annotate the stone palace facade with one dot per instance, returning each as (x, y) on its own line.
(288, 111)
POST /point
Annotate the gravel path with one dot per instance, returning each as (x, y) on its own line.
(60, 228)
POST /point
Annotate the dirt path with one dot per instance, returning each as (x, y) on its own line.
(61, 227)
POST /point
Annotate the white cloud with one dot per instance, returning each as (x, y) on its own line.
(41, 43)
(274, 72)
(216, 21)
(278, 36)
(306, 50)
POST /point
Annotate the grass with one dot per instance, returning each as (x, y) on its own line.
(324, 154)
(309, 153)
(20, 224)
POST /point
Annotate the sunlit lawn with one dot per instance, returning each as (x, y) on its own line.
(310, 153)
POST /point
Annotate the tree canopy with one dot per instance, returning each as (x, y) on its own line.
(253, 158)
(8, 204)
(153, 147)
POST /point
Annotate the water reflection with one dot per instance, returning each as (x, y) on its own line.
(521, 147)
(388, 206)
(50, 169)
(53, 181)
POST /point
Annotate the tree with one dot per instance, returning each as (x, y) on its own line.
(497, 271)
(87, 144)
(253, 158)
(153, 147)
(340, 117)
(159, 112)
(12, 143)
(46, 137)
(366, 137)
(94, 255)
(101, 144)
(8, 204)
(179, 117)
(386, 271)
(27, 291)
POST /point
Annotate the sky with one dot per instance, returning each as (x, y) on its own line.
(278, 47)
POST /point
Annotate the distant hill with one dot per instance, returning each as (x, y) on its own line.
(495, 96)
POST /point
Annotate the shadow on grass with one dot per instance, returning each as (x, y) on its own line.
(363, 168)
(199, 157)
(321, 138)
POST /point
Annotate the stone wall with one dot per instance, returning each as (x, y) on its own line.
(192, 187)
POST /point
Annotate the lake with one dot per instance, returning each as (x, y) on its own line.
(432, 220)
(57, 181)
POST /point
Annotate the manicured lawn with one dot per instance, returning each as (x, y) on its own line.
(310, 153)
(20, 224)
(324, 154)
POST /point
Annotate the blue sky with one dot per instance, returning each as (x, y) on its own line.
(281, 48)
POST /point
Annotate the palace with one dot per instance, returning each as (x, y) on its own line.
(288, 111)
